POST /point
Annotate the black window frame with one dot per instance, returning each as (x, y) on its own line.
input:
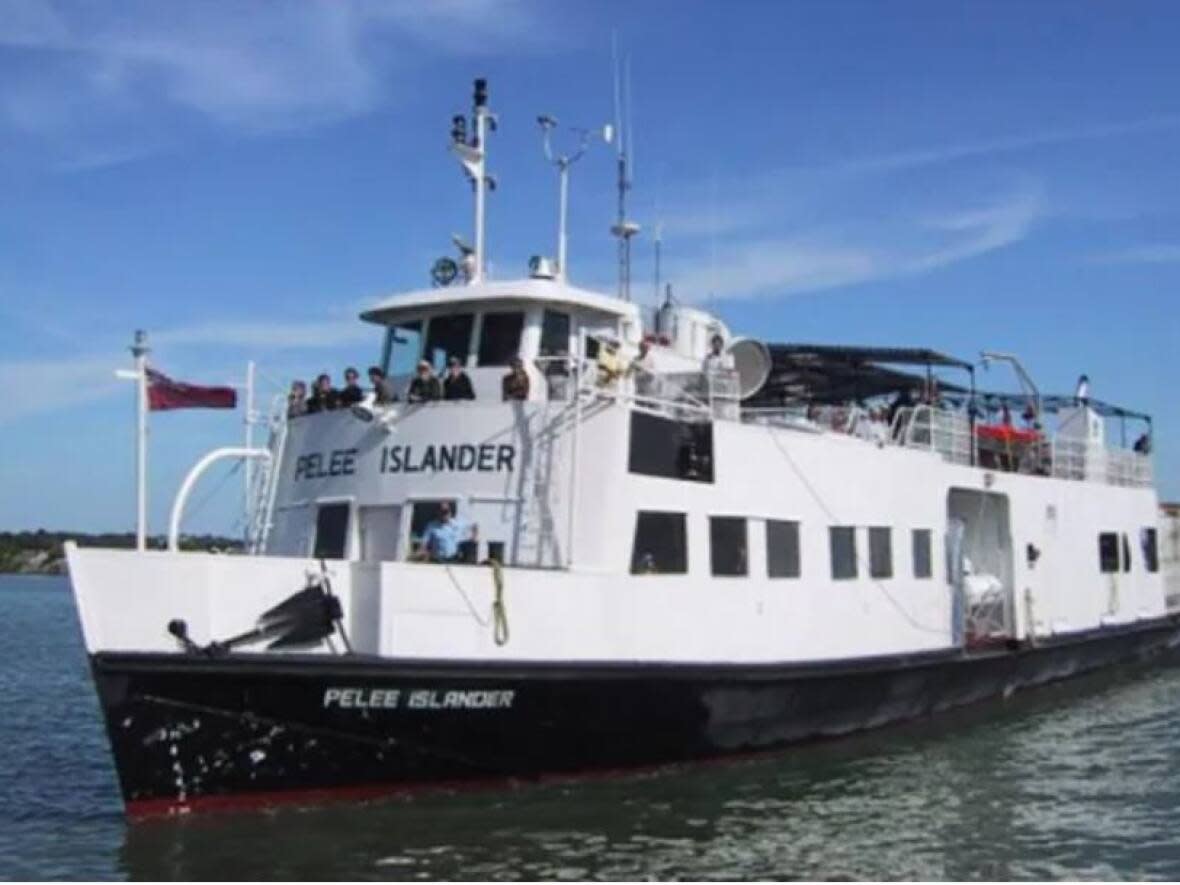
(850, 571)
(1108, 553)
(551, 332)
(878, 555)
(453, 323)
(790, 564)
(1126, 553)
(922, 553)
(670, 525)
(320, 548)
(502, 356)
(1149, 544)
(723, 531)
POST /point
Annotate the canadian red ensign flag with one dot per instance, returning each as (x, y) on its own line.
(164, 394)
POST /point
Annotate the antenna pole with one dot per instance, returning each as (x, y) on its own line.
(623, 229)
(140, 350)
(563, 173)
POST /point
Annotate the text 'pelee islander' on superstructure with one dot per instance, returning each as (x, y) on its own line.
(659, 543)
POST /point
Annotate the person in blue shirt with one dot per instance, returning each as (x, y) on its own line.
(442, 536)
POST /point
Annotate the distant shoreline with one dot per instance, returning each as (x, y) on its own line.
(42, 552)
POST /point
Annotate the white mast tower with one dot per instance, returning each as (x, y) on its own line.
(473, 157)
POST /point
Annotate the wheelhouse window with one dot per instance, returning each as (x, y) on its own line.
(1151, 556)
(499, 337)
(448, 336)
(1108, 552)
(923, 560)
(727, 546)
(1126, 553)
(405, 348)
(331, 531)
(880, 552)
(555, 333)
(661, 544)
(843, 543)
(782, 549)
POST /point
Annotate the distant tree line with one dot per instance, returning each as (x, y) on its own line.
(41, 552)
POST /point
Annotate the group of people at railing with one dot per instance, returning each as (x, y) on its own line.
(453, 383)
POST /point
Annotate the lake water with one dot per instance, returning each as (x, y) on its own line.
(1074, 782)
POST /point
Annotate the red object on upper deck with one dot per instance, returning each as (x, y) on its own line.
(1006, 433)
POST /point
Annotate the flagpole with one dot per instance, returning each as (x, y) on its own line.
(249, 469)
(140, 351)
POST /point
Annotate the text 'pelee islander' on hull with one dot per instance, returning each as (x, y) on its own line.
(628, 540)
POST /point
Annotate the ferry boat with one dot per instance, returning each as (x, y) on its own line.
(676, 544)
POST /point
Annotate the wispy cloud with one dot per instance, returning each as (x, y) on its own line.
(111, 80)
(1144, 253)
(791, 265)
(42, 385)
(922, 157)
(269, 336)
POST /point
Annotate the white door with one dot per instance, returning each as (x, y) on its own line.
(380, 530)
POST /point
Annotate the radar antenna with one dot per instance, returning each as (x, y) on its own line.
(563, 162)
(472, 156)
(623, 229)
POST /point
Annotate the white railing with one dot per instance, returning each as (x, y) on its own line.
(938, 430)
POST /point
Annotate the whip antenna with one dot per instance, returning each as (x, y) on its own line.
(623, 229)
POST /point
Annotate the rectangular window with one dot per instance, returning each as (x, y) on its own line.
(405, 348)
(661, 544)
(331, 531)
(727, 546)
(499, 340)
(671, 449)
(843, 543)
(880, 552)
(555, 333)
(782, 549)
(923, 560)
(1108, 552)
(1151, 556)
(1126, 553)
(448, 336)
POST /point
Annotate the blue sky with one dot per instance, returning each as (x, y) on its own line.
(240, 179)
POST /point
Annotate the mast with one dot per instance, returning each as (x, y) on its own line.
(623, 229)
(472, 156)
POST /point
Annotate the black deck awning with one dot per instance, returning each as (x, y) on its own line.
(827, 373)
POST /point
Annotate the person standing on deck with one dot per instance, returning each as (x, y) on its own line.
(324, 397)
(352, 393)
(383, 392)
(442, 536)
(515, 385)
(456, 384)
(425, 387)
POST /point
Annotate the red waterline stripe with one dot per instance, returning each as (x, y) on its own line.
(143, 809)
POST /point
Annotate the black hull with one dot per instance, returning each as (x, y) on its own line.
(191, 732)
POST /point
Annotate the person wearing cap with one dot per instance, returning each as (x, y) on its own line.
(351, 394)
(456, 384)
(425, 387)
(515, 385)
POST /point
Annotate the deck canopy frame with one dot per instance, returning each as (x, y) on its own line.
(828, 374)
